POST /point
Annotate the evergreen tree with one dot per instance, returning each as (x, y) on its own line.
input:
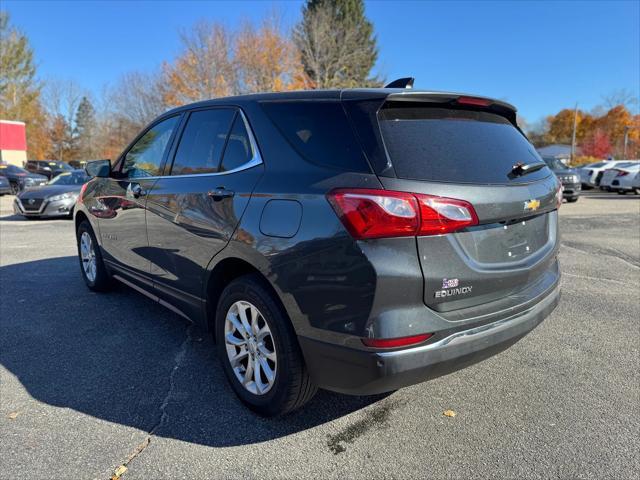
(85, 130)
(337, 44)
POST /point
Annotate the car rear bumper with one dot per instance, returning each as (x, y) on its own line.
(361, 372)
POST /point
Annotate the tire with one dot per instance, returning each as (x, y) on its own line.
(621, 192)
(15, 189)
(291, 386)
(96, 278)
(572, 199)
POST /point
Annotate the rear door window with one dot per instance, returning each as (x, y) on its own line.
(320, 132)
(452, 145)
(202, 142)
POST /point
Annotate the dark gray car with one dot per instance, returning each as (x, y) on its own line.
(55, 199)
(569, 177)
(353, 240)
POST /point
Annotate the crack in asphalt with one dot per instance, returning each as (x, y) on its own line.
(609, 252)
(177, 363)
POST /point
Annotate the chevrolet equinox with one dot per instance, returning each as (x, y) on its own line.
(354, 240)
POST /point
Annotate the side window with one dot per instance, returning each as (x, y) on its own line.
(202, 142)
(144, 159)
(238, 150)
(320, 132)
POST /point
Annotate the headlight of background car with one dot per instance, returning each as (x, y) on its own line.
(63, 196)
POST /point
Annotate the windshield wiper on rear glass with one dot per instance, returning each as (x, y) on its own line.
(520, 169)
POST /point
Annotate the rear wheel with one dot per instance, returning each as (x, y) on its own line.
(259, 349)
(91, 265)
(621, 192)
(572, 199)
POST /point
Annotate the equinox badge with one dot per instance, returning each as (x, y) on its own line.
(531, 205)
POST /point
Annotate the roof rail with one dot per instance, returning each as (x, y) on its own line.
(406, 82)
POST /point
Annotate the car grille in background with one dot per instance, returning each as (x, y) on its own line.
(30, 207)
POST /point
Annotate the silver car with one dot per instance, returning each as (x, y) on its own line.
(55, 199)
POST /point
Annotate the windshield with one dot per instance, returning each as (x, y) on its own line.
(626, 164)
(60, 165)
(75, 178)
(554, 163)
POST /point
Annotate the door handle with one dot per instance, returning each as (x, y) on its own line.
(137, 191)
(220, 193)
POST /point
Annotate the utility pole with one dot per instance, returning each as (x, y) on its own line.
(626, 141)
(573, 136)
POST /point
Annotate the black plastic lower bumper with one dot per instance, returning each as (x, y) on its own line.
(361, 372)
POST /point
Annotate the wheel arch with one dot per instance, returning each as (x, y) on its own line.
(226, 271)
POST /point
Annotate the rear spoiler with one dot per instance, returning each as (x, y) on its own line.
(362, 106)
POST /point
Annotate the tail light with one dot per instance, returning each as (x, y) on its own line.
(368, 213)
(395, 342)
(82, 189)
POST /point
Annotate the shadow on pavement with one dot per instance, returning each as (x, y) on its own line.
(111, 356)
(610, 196)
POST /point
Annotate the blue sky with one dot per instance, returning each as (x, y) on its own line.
(541, 56)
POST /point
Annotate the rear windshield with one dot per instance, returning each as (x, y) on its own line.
(449, 145)
(320, 132)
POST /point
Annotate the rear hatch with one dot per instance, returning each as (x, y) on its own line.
(465, 149)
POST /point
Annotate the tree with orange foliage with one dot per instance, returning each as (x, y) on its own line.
(204, 69)
(20, 91)
(266, 60)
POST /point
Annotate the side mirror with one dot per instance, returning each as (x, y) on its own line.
(98, 168)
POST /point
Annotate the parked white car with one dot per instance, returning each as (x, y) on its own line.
(612, 178)
(635, 184)
(590, 175)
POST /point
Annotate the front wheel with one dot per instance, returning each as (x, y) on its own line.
(94, 272)
(259, 350)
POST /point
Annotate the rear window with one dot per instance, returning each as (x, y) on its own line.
(320, 132)
(450, 145)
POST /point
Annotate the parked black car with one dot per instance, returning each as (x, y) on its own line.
(55, 199)
(48, 168)
(569, 177)
(353, 240)
(19, 178)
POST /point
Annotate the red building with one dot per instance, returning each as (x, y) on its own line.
(13, 142)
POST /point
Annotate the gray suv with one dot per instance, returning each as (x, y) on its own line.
(354, 240)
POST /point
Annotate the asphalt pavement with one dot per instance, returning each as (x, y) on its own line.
(91, 382)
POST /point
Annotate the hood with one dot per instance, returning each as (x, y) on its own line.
(46, 191)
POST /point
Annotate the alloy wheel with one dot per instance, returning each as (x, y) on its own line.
(250, 348)
(88, 256)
